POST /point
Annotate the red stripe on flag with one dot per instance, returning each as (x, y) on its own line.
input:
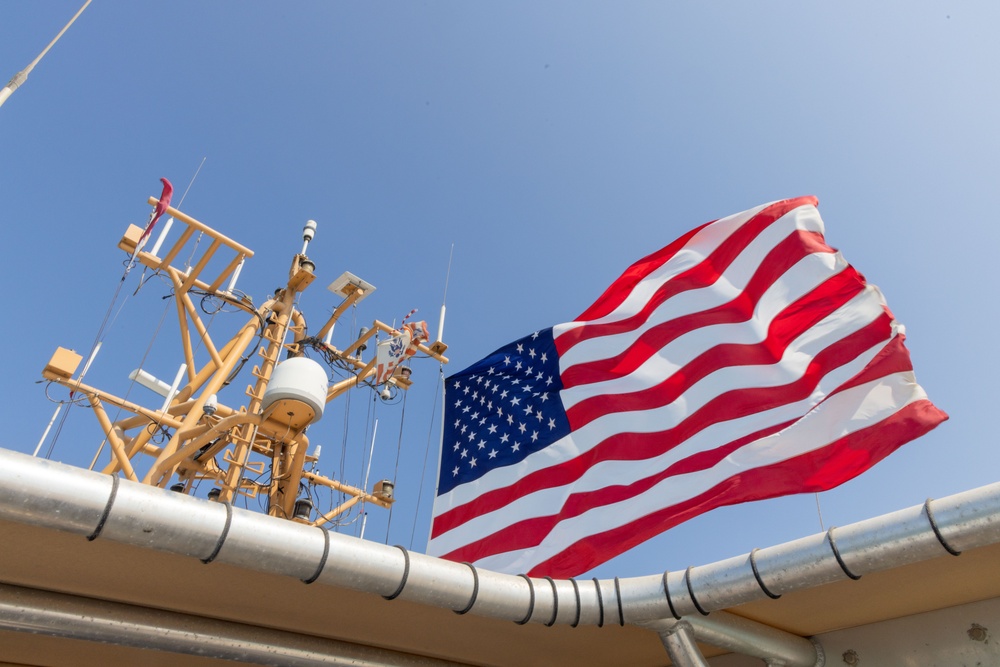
(791, 323)
(701, 275)
(815, 471)
(695, 422)
(786, 254)
(642, 446)
(529, 533)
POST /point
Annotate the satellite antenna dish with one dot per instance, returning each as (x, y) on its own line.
(348, 283)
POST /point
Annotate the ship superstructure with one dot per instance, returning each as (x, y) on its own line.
(262, 446)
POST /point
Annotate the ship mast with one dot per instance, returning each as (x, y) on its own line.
(266, 437)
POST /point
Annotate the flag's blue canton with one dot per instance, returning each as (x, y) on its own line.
(501, 409)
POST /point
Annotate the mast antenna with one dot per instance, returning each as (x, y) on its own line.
(258, 448)
(444, 297)
(98, 340)
(22, 76)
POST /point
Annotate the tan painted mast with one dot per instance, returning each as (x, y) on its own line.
(268, 433)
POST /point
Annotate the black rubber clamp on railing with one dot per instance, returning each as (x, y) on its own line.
(531, 600)
(579, 605)
(222, 536)
(937, 531)
(322, 561)
(107, 510)
(600, 603)
(621, 611)
(756, 575)
(836, 554)
(694, 600)
(406, 574)
(666, 591)
(555, 602)
(475, 590)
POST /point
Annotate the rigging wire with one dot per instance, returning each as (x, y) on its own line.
(98, 339)
(447, 275)
(191, 182)
(102, 330)
(187, 263)
(347, 414)
(343, 445)
(142, 363)
(820, 513)
(395, 472)
(232, 376)
(438, 390)
(369, 420)
(128, 391)
(142, 279)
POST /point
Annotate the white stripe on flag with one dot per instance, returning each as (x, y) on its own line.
(659, 419)
(844, 413)
(729, 285)
(720, 357)
(623, 472)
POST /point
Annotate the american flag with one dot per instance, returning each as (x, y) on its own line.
(746, 360)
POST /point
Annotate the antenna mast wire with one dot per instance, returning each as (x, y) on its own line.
(102, 330)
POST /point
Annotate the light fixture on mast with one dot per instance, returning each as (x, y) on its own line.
(308, 232)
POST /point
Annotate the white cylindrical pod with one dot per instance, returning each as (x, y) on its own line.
(297, 392)
(173, 388)
(441, 324)
(236, 276)
(308, 232)
(162, 237)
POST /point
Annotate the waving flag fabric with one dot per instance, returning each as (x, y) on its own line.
(161, 207)
(391, 352)
(746, 360)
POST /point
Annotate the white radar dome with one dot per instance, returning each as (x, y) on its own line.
(297, 391)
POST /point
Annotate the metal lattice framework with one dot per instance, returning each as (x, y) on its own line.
(254, 440)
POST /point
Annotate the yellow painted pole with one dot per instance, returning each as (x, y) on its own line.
(117, 446)
(181, 295)
(197, 410)
(345, 304)
(195, 225)
(274, 334)
(336, 511)
(201, 440)
(346, 488)
(185, 338)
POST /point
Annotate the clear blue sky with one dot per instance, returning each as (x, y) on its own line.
(552, 143)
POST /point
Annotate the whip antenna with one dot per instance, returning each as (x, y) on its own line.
(22, 76)
(444, 297)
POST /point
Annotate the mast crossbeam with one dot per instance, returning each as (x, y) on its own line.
(242, 450)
